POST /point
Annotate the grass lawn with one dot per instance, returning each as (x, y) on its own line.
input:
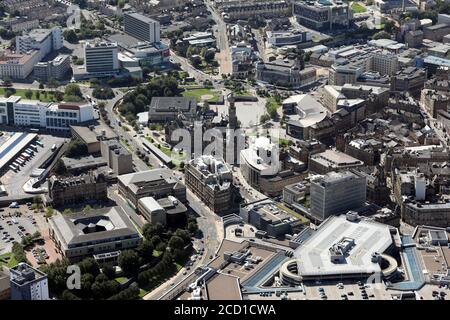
(357, 8)
(198, 93)
(8, 260)
(121, 279)
(21, 93)
(142, 293)
(156, 253)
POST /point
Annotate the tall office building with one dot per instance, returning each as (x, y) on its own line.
(141, 27)
(336, 193)
(28, 283)
(101, 58)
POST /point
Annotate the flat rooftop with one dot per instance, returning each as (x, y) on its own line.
(369, 237)
(216, 285)
(13, 145)
(335, 159)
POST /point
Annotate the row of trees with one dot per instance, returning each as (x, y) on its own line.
(139, 99)
(88, 30)
(103, 93)
(95, 284)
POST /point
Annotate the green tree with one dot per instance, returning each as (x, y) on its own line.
(70, 36)
(73, 89)
(89, 265)
(129, 262)
(69, 295)
(109, 271)
(28, 93)
(76, 148)
(176, 242)
(145, 250)
(53, 83)
(60, 167)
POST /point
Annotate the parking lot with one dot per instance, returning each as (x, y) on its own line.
(14, 181)
(13, 226)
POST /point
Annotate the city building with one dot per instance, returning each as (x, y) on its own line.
(410, 79)
(266, 216)
(336, 193)
(28, 283)
(332, 160)
(43, 40)
(259, 160)
(82, 234)
(141, 27)
(368, 64)
(76, 190)
(433, 101)
(168, 211)
(233, 10)
(17, 66)
(414, 38)
(92, 135)
(210, 179)
(436, 32)
(323, 14)
(156, 183)
(306, 118)
(57, 68)
(242, 57)
(429, 214)
(117, 157)
(294, 193)
(287, 38)
(145, 54)
(285, 73)
(52, 116)
(163, 109)
(375, 98)
(101, 59)
(343, 247)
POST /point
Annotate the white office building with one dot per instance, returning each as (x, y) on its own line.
(52, 116)
(101, 58)
(141, 27)
(43, 40)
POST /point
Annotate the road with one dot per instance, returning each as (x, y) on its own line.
(211, 226)
(130, 139)
(224, 56)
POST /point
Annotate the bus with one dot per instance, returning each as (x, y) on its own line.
(13, 167)
(34, 130)
(39, 143)
(54, 147)
(146, 149)
(33, 147)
